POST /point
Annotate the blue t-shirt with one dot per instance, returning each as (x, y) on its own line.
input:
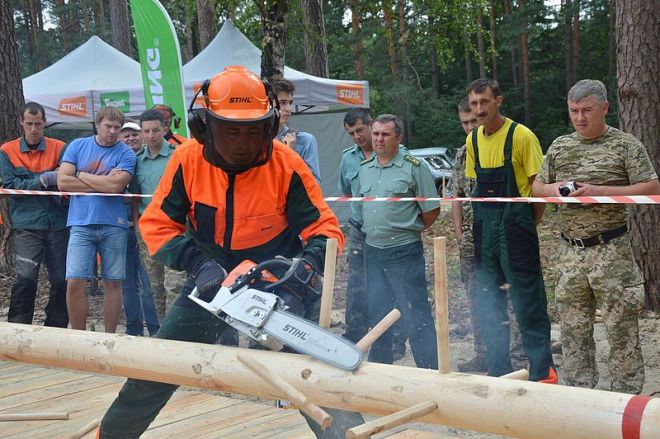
(307, 148)
(88, 156)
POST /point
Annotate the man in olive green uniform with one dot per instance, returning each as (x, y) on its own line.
(393, 251)
(461, 212)
(504, 157)
(357, 124)
(595, 263)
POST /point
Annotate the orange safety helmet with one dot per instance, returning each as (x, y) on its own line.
(235, 99)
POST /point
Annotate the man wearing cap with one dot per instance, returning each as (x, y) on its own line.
(149, 168)
(38, 222)
(231, 194)
(136, 288)
(131, 134)
(169, 116)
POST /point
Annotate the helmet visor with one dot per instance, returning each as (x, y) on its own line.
(238, 145)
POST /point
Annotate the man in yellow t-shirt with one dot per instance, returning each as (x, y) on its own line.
(504, 157)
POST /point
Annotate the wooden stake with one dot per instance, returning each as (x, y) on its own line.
(522, 374)
(300, 400)
(33, 416)
(328, 283)
(503, 407)
(378, 330)
(394, 420)
(84, 430)
(441, 303)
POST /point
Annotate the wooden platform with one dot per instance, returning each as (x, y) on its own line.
(189, 414)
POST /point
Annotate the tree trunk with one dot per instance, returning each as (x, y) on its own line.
(433, 58)
(316, 50)
(10, 107)
(524, 60)
(99, 13)
(358, 46)
(567, 33)
(29, 34)
(512, 50)
(60, 11)
(121, 27)
(493, 48)
(274, 33)
(206, 20)
(405, 70)
(611, 59)
(468, 58)
(575, 49)
(389, 35)
(481, 47)
(638, 45)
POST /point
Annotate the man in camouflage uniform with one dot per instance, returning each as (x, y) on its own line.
(595, 263)
(461, 212)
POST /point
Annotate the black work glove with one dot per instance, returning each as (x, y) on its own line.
(207, 273)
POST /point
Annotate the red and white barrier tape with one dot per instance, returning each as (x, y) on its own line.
(629, 199)
(619, 199)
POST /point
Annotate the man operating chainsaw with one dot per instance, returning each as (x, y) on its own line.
(230, 194)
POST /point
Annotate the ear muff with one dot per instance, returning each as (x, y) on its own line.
(276, 108)
(196, 124)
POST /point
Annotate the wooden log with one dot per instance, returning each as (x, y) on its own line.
(522, 374)
(474, 402)
(315, 412)
(390, 421)
(370, 337)
(441, 303)
(84, 430)
(328, 292)
(33, 416)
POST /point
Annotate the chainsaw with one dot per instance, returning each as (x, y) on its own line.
(258, 303)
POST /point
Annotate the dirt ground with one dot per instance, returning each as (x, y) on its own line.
(460, 330)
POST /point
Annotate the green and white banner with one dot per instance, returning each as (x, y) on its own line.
(160, 58)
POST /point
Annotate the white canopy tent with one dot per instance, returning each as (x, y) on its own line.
(92, 76)
(96, 75)
(231, 47)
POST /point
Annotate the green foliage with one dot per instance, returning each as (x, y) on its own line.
(442, 28)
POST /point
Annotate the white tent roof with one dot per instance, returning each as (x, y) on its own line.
(231, 47)
(95, 73)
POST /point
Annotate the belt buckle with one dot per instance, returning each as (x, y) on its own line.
(579, 243)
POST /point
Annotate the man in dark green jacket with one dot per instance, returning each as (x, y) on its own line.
(38, 222)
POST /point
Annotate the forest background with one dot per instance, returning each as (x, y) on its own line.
(418, 56)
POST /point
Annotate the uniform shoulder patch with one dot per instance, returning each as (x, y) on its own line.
(373, 156)
(415, 161)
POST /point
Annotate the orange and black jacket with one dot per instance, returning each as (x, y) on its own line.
(256, 214)
(21, 167)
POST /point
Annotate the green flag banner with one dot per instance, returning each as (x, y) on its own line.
(160, 58)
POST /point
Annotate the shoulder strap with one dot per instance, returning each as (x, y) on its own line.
(508, 144)
(475, 149)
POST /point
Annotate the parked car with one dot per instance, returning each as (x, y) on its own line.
(440, 161)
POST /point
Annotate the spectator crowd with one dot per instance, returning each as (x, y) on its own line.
(246, 186)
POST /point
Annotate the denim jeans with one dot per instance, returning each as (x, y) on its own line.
(396, 278)
(137, 294)
(86, 241)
